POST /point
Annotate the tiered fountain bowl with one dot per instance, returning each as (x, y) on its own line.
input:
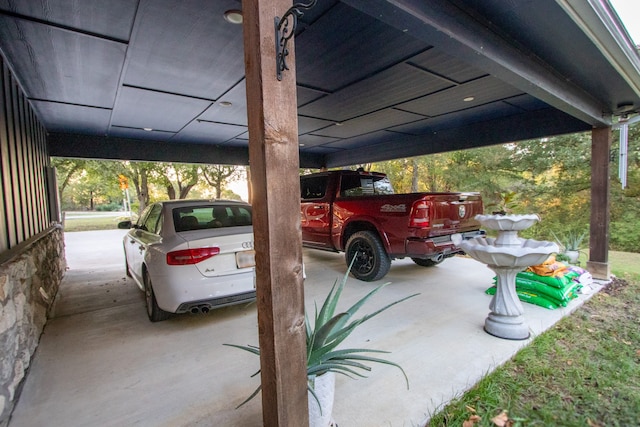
(506, 255)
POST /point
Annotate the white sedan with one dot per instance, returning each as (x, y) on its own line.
(190, 256)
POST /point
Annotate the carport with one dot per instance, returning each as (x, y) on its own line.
(373, 80)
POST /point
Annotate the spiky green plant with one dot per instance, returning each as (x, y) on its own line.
(328, 331)
(570, 240)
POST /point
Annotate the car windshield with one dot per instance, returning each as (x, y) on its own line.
(211, 216)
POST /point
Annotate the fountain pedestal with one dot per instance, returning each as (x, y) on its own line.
(506, 255)
(506, 319)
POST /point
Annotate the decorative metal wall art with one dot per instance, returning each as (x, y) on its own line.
(285, 29)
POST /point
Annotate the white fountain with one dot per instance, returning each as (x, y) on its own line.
(506, 255)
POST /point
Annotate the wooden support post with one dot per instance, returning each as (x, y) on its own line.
(598, 264)
(275, 183)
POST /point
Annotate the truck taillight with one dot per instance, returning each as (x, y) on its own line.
(191, 256)
(419, 215)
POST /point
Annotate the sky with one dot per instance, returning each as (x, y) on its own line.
(629, 13)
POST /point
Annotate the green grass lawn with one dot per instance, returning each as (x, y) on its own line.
(585, 371)
(87, 221)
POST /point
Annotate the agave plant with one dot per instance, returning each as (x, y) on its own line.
(328, 331)
(570, 240)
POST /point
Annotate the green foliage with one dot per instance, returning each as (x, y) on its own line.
(550, 177)
(329, 330)
(109, 207)
(94, 185)
(582, 372)
(570, 240)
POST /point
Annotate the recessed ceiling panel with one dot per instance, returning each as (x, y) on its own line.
(309, 124)
(154, 135)
(314, 140)
(392, 86)
(209, 133)
(186, 47)
(319, 149)
(527, 102)
(447, 66)
(112, 18)
(478, 92)
(306, 95)
(230, 108)
(477, 114)
(140, 109)
(62, 66)
(369, 123)
(363, 141)
(344, 46)
(62, 117)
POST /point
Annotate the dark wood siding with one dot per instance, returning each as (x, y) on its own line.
(23, 203)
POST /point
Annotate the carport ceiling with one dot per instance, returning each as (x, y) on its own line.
(376, 79)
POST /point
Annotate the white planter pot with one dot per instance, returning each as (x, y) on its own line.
(324, 387)
(573, 256)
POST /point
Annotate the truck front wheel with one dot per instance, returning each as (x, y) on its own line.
(371, 260)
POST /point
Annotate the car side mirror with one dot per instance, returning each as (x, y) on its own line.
(125, 224)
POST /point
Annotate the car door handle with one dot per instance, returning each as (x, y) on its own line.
(132, 241)
(141, 247)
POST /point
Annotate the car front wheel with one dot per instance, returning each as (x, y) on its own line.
(371, 260)
(155, 313)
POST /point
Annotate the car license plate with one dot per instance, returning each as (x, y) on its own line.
(246, 259)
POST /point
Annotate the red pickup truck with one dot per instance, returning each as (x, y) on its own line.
(357, 212)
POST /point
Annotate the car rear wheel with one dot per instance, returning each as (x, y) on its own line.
(371, 260)
(155, 313)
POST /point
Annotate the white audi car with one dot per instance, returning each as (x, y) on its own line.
(190, 256)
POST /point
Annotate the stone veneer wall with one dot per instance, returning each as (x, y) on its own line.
(29, 282)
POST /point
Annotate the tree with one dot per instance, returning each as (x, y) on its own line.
(218, 175)
(177, 178)
(66, 169)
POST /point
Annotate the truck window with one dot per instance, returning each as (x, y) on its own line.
(313, 188)
(357, 185)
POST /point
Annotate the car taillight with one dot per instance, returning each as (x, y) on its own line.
(419, 215)
(191, 256)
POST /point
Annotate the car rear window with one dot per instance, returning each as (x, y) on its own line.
(218, 216)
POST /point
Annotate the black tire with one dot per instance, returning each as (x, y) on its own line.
(428, 262)
(372, 262)
(155, 313)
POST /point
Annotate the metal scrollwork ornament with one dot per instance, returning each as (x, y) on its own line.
(285, 30)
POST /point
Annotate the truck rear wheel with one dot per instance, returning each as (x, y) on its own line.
(371, 260)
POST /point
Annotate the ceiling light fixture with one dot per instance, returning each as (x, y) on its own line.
(233, 16)
(147, 129)
(225, 104)
(469, 99)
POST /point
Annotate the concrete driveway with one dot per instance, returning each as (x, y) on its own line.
(102, 363)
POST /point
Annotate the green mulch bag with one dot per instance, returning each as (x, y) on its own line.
(557, 282)
(563, 295)
(559, 295)
(530, 298)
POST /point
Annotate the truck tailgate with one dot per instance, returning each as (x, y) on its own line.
(454, 212)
